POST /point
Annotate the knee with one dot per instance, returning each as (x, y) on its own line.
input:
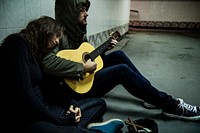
(119, 53)
(102, 102)
(123, 67)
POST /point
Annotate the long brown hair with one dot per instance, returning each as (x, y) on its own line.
(39, 32)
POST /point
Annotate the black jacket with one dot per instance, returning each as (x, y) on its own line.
(20, 82)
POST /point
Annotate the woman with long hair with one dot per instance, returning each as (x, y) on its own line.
(24, 105)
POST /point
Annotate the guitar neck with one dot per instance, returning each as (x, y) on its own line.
(99, 50)
(116, 35)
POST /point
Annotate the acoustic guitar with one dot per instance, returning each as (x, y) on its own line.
(82, 54)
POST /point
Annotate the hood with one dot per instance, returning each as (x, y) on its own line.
(67, 12)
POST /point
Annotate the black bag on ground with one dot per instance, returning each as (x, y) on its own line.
(143, 125)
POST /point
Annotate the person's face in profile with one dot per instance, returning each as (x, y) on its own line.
(82, 18)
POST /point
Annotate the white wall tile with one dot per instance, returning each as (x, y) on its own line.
(48, 8)
(32, 9)
(3, 34)
(14, 13)
(2, 15)
(106, 14)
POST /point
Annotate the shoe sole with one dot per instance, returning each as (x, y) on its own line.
(104, 123)
(195, 118)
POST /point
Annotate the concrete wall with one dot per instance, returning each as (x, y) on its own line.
(104, 16)
(166, 10)
(165, 14)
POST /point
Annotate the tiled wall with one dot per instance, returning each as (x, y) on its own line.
(104, 16)
(99, 38)
(14, 14)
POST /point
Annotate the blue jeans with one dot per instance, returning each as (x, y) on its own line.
(118, 69)
(46, 127)
(92, 110)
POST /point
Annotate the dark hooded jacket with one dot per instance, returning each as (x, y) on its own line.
(67, 12)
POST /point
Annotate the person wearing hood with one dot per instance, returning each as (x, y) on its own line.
(117, 68)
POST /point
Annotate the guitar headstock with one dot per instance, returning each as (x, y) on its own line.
(115, 35)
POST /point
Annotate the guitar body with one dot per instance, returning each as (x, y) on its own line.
(78, 55)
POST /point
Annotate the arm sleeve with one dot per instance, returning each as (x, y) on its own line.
(31, 99)
(61, 67)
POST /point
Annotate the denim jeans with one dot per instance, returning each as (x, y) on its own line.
(47, 127)
(92, 110)
(118, 69)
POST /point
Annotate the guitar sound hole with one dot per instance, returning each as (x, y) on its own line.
(86, 57)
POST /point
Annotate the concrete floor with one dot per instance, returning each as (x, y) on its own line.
(171, 61)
